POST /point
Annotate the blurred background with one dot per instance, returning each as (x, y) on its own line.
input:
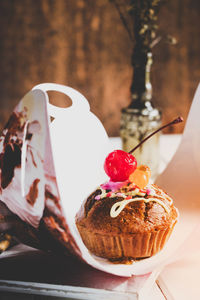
(83, 44)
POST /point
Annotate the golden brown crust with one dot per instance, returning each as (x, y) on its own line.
(139, 230)
(135, 217)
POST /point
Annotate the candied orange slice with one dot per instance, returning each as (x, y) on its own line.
(141, 176)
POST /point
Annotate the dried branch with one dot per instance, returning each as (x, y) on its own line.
(123, 19)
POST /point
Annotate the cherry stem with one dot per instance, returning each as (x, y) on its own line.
(176, 121)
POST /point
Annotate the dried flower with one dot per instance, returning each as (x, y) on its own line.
(140, 18)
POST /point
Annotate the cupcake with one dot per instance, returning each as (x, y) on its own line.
(126, 220)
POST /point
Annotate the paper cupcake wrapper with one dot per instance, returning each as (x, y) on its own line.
(136, 245)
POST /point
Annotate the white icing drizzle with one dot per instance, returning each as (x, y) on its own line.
(119, 206)
(103, 192)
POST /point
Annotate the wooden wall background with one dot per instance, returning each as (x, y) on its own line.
(82, 43)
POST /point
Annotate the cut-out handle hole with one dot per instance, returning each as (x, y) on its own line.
(59, 99)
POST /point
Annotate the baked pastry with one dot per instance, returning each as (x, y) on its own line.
(126, 220)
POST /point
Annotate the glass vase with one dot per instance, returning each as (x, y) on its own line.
(135, 125)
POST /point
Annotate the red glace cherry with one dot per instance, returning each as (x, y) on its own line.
(119, 165)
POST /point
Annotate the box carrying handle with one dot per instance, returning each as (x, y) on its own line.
(79, 102)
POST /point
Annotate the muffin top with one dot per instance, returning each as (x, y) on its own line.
(125, 208)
